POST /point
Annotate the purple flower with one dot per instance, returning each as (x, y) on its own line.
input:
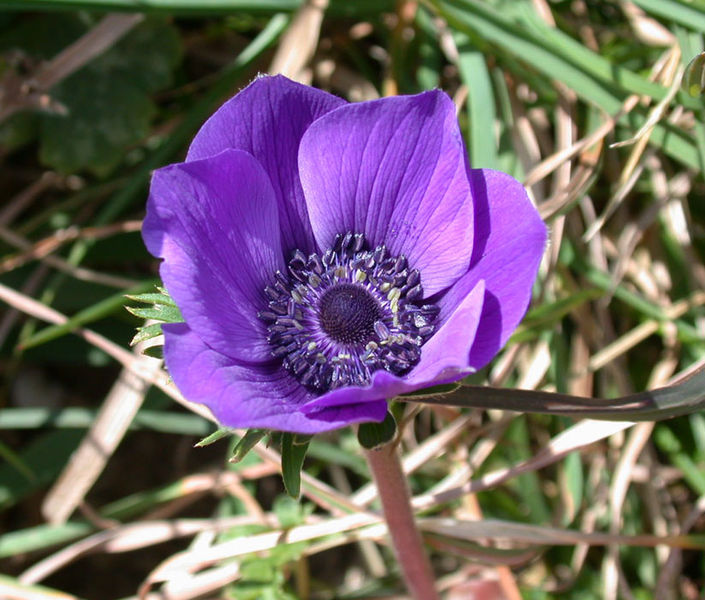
(327, 256)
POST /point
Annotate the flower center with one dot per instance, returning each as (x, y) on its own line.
(340, 316)
(347, 313)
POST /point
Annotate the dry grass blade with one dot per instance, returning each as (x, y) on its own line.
(24, 199)
(127, 538)
(31, 91)
(318, 491)
(41, 251)
(118, 409)
(578, 436)
(648, 30)
(512, 533)
(190, 561)
(672, 74)
(487, 442)
(638, 438)
(298, 44)
(45, 247)
(666, 584)
(321, 493)
(553, 162)
(10, 589)
(188, 586)
(559, 158)
(644, 330)
(36, 309)
(175, 577)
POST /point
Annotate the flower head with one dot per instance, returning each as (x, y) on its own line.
(327, 256)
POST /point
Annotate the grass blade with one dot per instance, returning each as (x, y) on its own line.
(670, 401)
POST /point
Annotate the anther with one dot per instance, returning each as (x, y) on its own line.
(335, 318)
(358, 242)
(315, 264)
(414, 293)
(381, 330)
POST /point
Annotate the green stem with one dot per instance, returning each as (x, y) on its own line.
(406, 539)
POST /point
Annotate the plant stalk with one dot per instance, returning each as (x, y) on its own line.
(396, 504)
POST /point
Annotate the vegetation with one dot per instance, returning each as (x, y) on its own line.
(596, 106)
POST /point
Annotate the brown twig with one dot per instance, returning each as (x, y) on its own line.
(22, 200)
(43, 248)
(17, 93)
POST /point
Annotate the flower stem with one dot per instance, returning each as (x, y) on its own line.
(406, 539)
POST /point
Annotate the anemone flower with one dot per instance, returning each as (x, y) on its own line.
(327, 256)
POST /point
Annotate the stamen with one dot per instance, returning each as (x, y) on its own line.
(347, 313)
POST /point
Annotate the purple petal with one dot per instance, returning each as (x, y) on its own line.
(215, 224)
(509, 241)
(267, 119)
(395, 170)
(249, 396)
(444, 358)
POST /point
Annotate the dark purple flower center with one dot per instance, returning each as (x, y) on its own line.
(340, 316)
(348, 312)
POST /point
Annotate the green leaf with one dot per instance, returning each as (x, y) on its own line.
(228, 78)
(41, 35)
(152, 298)
(293, 453)
(335, 453)
(107, 104)
(16, 589)
(694, 77)
(604, 281)
(555, 54)
(158, 312)
(104, 115)
(154, 352)
(154, 46)
(13, 459)
(92, 313)
(693, 474)
(163, 309)
(40, 537)
(146, 333)
(82, 418)
(288, 510)
(219, 434)
(45, 458)
(473, 71)
(546, 315)
(572, 478)
(18, 130)
(246, 443)
(374, 435)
